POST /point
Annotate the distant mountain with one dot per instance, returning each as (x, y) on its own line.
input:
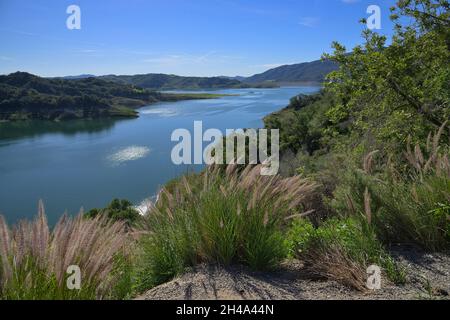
(158, 81)
(81, 76)
(238, 78)
(308, 72)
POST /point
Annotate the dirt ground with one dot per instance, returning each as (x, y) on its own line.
(428, 277)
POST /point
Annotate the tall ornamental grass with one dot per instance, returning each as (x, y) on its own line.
(34, 260)
(405, 204)
(222, 216)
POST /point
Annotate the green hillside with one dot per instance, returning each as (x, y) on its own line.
(309, 72)
(26, 96)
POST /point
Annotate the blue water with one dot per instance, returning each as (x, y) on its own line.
(87, 163)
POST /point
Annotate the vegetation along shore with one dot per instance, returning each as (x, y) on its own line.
(25, 96)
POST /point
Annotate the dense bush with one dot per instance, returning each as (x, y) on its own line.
(302, 123)
(341, 249)
(407, 204)
(118, 210)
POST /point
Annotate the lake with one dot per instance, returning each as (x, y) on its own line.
(87, 163)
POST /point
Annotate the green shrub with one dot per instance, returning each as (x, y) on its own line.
(407, 213)
(117, 210)
(220, 216)
(407, 204)
(402, 212)
(442, 212)
(341, 249)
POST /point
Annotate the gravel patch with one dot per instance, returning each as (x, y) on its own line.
(428, 277)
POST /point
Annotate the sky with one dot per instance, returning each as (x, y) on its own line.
(183, 37)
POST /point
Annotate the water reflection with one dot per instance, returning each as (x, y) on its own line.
(15, 130)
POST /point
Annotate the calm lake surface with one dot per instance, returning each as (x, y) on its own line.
(87, 163)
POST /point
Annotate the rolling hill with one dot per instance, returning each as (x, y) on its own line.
(308, 72)
(25, 96)
(159, 81)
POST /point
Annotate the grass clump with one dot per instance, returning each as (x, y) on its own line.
(221, 216)
(34, 260)
(406, 204)
(341, 250)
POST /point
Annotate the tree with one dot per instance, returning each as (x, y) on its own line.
(117, 210)
(398, 90)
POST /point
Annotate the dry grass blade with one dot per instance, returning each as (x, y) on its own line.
(300, 215)
(368, 160)
(336, 265)
(436, 161)
(5, 246)
(367, 208)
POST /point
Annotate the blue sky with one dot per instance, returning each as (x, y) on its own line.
(185, 37)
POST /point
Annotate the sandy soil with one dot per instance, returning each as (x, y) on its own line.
(428, 278)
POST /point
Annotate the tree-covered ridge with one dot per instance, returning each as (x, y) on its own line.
(87, 86)
(26, 96)
(166, 82)
(170, 82)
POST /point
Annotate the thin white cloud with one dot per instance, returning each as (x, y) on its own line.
(267, 66)
(309, 22)
(250, 8)
(178, 59)
(169, 59)
(90, 53)
(136, 52)
(205, 56)
(19, 32)
(5, 58)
